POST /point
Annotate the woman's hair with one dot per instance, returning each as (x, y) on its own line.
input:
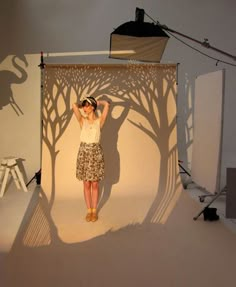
(91, 101)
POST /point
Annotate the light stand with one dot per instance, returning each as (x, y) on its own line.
(41, 66)
(37, 175)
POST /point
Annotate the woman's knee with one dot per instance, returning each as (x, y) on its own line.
(87, 184)
(95, 184)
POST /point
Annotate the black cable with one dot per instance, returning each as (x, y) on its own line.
(213, 58)
(183, 42)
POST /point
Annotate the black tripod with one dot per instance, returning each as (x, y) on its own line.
(37, 177)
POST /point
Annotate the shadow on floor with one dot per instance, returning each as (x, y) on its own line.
(181, 252)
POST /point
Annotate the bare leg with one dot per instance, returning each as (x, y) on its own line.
(87, 194)
(88, 199)
(95, 191)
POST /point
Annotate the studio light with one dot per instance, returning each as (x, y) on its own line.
(146, 40)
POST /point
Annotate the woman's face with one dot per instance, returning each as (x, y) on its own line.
(88, 108)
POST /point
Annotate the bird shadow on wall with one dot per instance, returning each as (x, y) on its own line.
(16, 76)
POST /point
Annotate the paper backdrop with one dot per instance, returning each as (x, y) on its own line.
(139, 141)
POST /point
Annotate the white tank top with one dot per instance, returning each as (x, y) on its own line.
(90, 132)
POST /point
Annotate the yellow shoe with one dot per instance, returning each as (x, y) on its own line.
(94, 217)
(88, 216)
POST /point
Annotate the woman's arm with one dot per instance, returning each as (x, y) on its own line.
(105, 110)
(76, 108)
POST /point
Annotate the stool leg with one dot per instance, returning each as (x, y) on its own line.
(4, 183)
(21, 178)
(2, 169)
(14, 175)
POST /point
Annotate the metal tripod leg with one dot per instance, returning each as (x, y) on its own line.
(213, 199)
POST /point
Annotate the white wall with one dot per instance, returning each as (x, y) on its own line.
(20, 111)
(27, 27)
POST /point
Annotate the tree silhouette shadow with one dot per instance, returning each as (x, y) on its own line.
(149, 91)
(145, 89)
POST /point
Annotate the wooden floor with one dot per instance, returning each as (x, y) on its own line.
(182, 252)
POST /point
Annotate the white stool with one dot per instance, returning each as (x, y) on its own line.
(9, 165)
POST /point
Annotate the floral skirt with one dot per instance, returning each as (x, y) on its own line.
(90, 162)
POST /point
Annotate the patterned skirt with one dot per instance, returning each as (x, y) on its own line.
(90, 162)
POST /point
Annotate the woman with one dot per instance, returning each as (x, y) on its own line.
(90, 159)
